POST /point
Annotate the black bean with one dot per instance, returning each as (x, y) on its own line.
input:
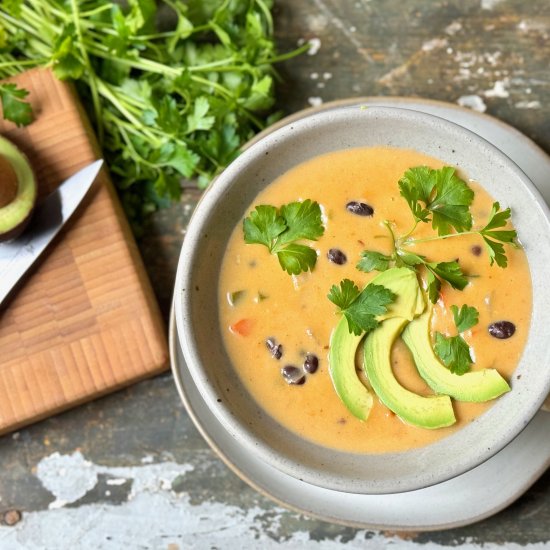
(360, 208)
(476, 250)
(275, 348)
(311, 363)
(336, 256)
(293, 375)
(502, 329)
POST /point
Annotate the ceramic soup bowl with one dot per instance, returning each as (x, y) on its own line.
(223, 207)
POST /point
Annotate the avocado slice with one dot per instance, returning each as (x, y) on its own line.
(409, 303)
(425, 412)
(476, 386)
(17, 190)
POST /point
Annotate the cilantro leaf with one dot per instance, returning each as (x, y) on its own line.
(279, 229)
(263, 226)
(303, 221)
(373, 261)
(493, 239)
(295, 258)
(440, 194)
(444, 271)
(361, 308)
(465, 318)
(454, 352)
(198, 119)
(450, 272)
(345, 295)
(416, 186)
(14, 107)
(409, 259)
(434, 287)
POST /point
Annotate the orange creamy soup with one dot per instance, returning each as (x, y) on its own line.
(258, 300)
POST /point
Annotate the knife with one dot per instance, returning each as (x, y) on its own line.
(17, 255)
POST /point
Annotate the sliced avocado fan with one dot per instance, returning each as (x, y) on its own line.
(435, 411)
(476, 386)
(408, 304)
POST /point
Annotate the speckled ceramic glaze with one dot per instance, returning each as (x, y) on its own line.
(195, 299)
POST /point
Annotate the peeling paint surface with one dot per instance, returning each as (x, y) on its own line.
(159, 513)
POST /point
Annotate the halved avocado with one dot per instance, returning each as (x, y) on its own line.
(17, 190)
(435, 411)
(409, 303)
(476, 386)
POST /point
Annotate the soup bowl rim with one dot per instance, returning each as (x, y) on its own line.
(226, 411)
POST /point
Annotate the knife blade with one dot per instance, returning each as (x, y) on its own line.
(18, 255)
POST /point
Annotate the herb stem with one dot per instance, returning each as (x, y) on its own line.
(93, 80)
(411, 242)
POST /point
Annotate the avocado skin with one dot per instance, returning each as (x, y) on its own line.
(476, 386)
(15, 216)
(409, 303)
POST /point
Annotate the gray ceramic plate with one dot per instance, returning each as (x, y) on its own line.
(488, 488)
(196, 304)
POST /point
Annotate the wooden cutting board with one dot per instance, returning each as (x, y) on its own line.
(85, 320)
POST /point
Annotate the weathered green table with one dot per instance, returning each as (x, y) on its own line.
(130, 470)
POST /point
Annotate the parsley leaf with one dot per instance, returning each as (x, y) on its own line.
(279, 229)
(445, 197)
(454, 352)
(494, 239)
(14, 107)
(465, 318)
(361, 308)
(373, 261)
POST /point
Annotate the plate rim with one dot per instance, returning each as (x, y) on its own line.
(411, 103)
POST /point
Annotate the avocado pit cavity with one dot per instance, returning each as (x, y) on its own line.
(8, 182)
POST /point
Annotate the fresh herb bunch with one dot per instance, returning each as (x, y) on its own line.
(441, 197)
(173, 88)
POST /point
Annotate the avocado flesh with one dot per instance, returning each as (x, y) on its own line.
(476, 386)
(341, 359)
(425, 412)
(409, 303)
(15, 214)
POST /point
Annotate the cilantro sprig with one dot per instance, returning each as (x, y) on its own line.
(494, 238)
(279, 229)
(454, 351)
(441, 197)
(360, 307)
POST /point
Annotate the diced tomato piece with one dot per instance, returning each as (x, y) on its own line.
(242, 327)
